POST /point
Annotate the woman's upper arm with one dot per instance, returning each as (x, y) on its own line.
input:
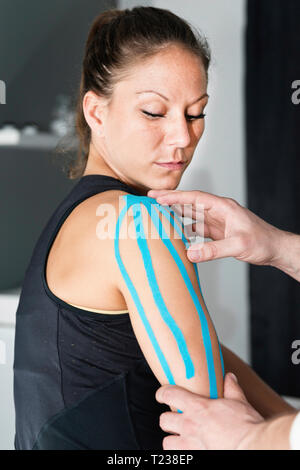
(163, 296)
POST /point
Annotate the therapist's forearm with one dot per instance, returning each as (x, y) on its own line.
(287, 257)
(262, 397)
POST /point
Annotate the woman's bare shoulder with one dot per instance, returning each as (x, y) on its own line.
(88, 210)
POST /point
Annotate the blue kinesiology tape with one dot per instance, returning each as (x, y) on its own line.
(136, 202)
(185, 241)
(138, 303)
(205, 330)
(142, 242)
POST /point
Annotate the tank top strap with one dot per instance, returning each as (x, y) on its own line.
(100, 183)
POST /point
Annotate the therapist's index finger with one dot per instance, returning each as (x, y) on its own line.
(184, 197)
(160, 192)
(175, 396)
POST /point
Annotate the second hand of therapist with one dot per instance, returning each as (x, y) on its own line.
(231, 422)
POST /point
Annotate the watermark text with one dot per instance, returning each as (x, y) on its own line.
(296, 354)
(2, 92)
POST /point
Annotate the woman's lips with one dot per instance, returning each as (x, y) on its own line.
(172, 166)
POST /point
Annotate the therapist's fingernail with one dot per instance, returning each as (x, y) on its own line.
(234, 377)
(193, 255)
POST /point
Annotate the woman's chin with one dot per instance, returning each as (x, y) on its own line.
(167, 182)
(170, 183)
(166, 187)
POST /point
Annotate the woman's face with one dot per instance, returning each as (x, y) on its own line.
(133, 143)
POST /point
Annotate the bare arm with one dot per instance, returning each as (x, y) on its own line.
(262, 397)
(165, 303)
(273, 434)
(287, 257)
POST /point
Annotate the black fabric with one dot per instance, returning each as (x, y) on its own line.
(273, 170)
(80, 378)
(100, 421)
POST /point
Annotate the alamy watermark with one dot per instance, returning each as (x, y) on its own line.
(296, 354)
(296, 94)
(2, 92)
(139, 223)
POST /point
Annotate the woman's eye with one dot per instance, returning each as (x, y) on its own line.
(189, 117)
(200, 116)
(151, 114)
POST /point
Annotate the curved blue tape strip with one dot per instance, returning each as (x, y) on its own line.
(166, 213)
(138, 303)
(204, 325)
(168, 319)
(185, 241)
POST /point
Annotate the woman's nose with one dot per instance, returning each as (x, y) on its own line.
(178, 133)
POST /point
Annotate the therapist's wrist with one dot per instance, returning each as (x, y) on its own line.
(286, 248)
(271, 434)
(295, 432)
(251, 440)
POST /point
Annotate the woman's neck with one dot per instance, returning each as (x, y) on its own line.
(97, 166)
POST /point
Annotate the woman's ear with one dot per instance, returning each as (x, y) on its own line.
(92, 108)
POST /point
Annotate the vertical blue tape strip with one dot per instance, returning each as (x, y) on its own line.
(168, 319)
(204, 325)
(185, 241)
(166, 213)
(222, 361)
(137, 301)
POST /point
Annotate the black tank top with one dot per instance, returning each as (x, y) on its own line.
(81, 380)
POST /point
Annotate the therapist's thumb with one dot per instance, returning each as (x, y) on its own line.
(232, 390)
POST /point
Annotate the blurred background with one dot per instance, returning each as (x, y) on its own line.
(249, 152)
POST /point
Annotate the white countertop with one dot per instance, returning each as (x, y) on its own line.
(39, 140)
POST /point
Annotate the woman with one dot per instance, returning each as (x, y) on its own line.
(103, 321)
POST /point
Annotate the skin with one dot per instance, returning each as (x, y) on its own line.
(129, 151)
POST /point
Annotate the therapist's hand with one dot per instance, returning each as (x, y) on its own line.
(234, 230)
(205, 424)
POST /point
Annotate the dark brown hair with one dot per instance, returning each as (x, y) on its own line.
(118, 40)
